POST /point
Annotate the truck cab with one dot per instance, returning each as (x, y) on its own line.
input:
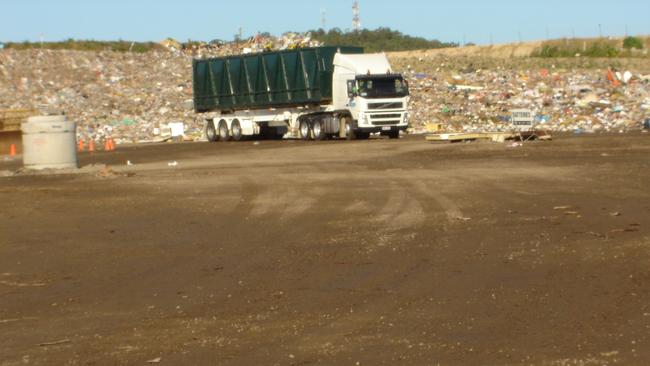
(375, 97)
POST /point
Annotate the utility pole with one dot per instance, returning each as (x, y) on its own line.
(356, 21)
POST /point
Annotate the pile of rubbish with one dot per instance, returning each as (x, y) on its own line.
(453, 96)
(255, 44)
(132, 97)
(142, 97)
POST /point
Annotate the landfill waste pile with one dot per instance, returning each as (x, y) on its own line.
(258, 43)
(130, 97)
(474, 94)
(139, 97)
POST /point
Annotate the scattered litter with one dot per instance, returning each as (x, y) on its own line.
(615, 213)
(108, 172)
(172, 164)
(609, 354)
(561, 207)
(54, 343)
(22, 284)
(155, 360)
(17, 319)
(445, 92)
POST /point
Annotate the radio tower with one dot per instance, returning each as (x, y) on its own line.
(323, 19)
(356, 22)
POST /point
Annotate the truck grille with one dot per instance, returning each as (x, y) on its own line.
(384, 116)
(386, 123)
(390, 105)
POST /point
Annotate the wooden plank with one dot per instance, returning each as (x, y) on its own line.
(452, 137)
(10, 119)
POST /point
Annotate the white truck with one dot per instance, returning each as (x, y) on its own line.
(309, 93)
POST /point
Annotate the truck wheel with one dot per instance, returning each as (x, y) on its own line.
(211, 132)
(224, 135)
(347, 128)
(393, 134)
(317, 130)
(305, 131)
(236, 130)
(363, 135)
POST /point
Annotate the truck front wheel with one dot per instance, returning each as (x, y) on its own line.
(346, 124)
(393, 134)
(305, 131)
(363, 135)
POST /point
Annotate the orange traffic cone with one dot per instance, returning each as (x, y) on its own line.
(12, 150)
(107, 145)
(112, 144)
(80, 145)
(91, 145)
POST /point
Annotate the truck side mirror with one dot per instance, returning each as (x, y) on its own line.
(351, 89)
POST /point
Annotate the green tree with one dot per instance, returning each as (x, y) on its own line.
(632, 42)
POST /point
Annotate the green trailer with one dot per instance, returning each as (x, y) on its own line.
(266, 80)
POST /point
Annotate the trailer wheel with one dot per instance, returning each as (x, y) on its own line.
(305, 130)
(211, 132)
(317, 130)
(235, 127)
(224, 135)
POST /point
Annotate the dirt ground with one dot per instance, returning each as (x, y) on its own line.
(376, 252)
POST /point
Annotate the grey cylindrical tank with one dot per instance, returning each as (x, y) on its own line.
(49, 142)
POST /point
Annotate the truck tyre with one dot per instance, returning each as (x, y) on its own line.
(224, 135)
(305, 130)
(318, 130)
(235, 127)
(347, 128)
(363, 135)
(211, 132)
(393, 134)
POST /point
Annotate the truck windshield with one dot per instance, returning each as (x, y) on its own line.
(384, 87)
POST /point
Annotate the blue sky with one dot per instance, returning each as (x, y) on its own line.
(453, 21)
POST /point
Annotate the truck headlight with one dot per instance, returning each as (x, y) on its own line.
(406, 117)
